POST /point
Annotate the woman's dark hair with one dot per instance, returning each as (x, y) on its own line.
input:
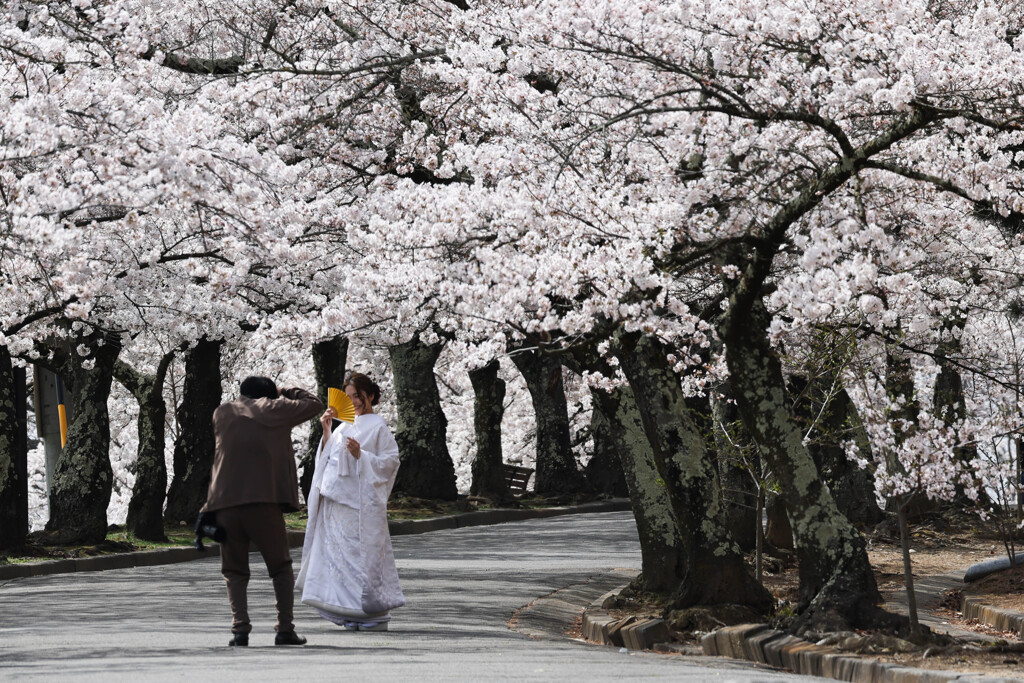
(364, 385)
(258, 387)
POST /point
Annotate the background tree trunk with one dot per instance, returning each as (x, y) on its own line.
(83, 479)
(329, 359)
(837, 587)
(736, 470)
(951, 406)
(603, 473)
(488, 410)
(427, 469)
(661, 548)
(194, 448)
(146, 508)
(557, 472)
(715, 571)
(13, 454)
(826, 413)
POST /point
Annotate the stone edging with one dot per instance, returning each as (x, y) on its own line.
(160, 556)
(758, 643)
(996, 617)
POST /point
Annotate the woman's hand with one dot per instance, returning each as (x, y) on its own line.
(325, 420)
(353, 447)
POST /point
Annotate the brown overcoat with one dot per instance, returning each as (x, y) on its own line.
(254, 460)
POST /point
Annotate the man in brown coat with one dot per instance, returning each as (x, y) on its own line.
(253, 481)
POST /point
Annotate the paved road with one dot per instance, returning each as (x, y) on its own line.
(462, 586)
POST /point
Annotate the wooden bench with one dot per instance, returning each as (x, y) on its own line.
(517, 478)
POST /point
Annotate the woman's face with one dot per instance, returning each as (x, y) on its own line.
(359, 401)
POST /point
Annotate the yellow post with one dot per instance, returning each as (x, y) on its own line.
(62, 413)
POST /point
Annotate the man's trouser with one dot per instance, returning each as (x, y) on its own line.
(263, 525)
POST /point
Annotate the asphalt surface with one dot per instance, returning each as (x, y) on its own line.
(463, 586)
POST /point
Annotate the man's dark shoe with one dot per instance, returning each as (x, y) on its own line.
(239, 640)
(289, 638)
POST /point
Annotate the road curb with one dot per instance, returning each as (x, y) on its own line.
(996, 617)
(161, 556)
(763, 645)
(757, 642)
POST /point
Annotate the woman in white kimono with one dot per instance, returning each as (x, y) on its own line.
(348, 567)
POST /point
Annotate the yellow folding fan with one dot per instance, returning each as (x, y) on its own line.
(342, 404)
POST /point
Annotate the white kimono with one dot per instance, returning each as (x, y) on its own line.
(348, 567)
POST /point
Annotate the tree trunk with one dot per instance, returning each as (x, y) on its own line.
(427, 470)
(828, 414)
(557, 472)
(329, 359)
(714, 570)
(951, 407)
(488, 410)
(737, 470)
(837, 587)
(604, 471)
(83, 479)
(146, 508)
(13, 454)
(661, 548)
(194, 448)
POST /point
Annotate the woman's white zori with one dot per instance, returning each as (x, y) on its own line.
(348, 567)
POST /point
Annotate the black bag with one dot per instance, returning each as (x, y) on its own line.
(206, 525)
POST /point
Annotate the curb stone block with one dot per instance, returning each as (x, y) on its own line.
(829, 664)
(593, 623)
(738, 637)
(773, 650)
(808, 659)
(419, 526)
(790, 653)
(103, 562)
(15, 571)
(629, 637)
(709, 645)
(644, 633)
(741, 636)
(53, 567)
(754, 646)
(613, 631)
(723, 644)
(152, 558)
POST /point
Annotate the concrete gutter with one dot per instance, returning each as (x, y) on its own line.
(149, 558)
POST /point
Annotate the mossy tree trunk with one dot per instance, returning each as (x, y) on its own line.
(488, 410)
(427, 470)
(83, 479)
(194, 447)
(146, 507)
(329, 359)
(661, 548)
(825, 413)
(557, 472)
(837, 586)
(13, 454)
(714, 571)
